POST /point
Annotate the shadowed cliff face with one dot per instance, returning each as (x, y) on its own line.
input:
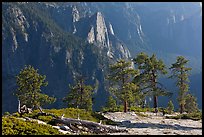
(30, 38)
(64, 39)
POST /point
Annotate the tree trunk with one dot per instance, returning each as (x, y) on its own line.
(125, 106)
(182, 91)
(155, 103)
(19, 106)
(81, 92)
(40, 109)
(154, 89)
(181, 108)
(92, 126)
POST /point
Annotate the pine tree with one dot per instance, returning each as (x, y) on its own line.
(141, 79)
(180, 72)
(150, 68)
(170, 107)
(29, 84)
(111, 104)
(191, 104)
(121, 75)
(80, 95)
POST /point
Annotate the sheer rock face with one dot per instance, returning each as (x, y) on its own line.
(91, 35)
(111, 29)
(101, 30)
(76, 17)
(68, 57)
(20, 20)
(75, 14)
(15, 46)
(98, 31)
(125, 53)
(54, 52)
(103, 35)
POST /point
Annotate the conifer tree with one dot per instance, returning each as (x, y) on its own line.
(141, 80)
(150, 68)
(180, 72)
(191, 104)
(111, 104)
(170, 107)
(80, 95)
(121, 77)
(29, 84)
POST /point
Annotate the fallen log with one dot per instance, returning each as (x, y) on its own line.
(93, 127)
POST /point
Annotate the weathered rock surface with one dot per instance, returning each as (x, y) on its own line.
(155, 125)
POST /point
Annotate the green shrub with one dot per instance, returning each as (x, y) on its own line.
(68, 112)
(138, 109)
(6, 113)
(170, 107)
(111, 104)
(105, 109)
(132, 108)
(119, 108)
(104, 120)
(45, 118)
(174, 117)
(140, 114)
(193, 116)
(14, 126)
(191, 105)
(16, 114)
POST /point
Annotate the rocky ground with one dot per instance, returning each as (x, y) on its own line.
(154, 124)
(134, 124)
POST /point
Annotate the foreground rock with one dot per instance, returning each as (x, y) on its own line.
(78, 126)
(155, 124)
